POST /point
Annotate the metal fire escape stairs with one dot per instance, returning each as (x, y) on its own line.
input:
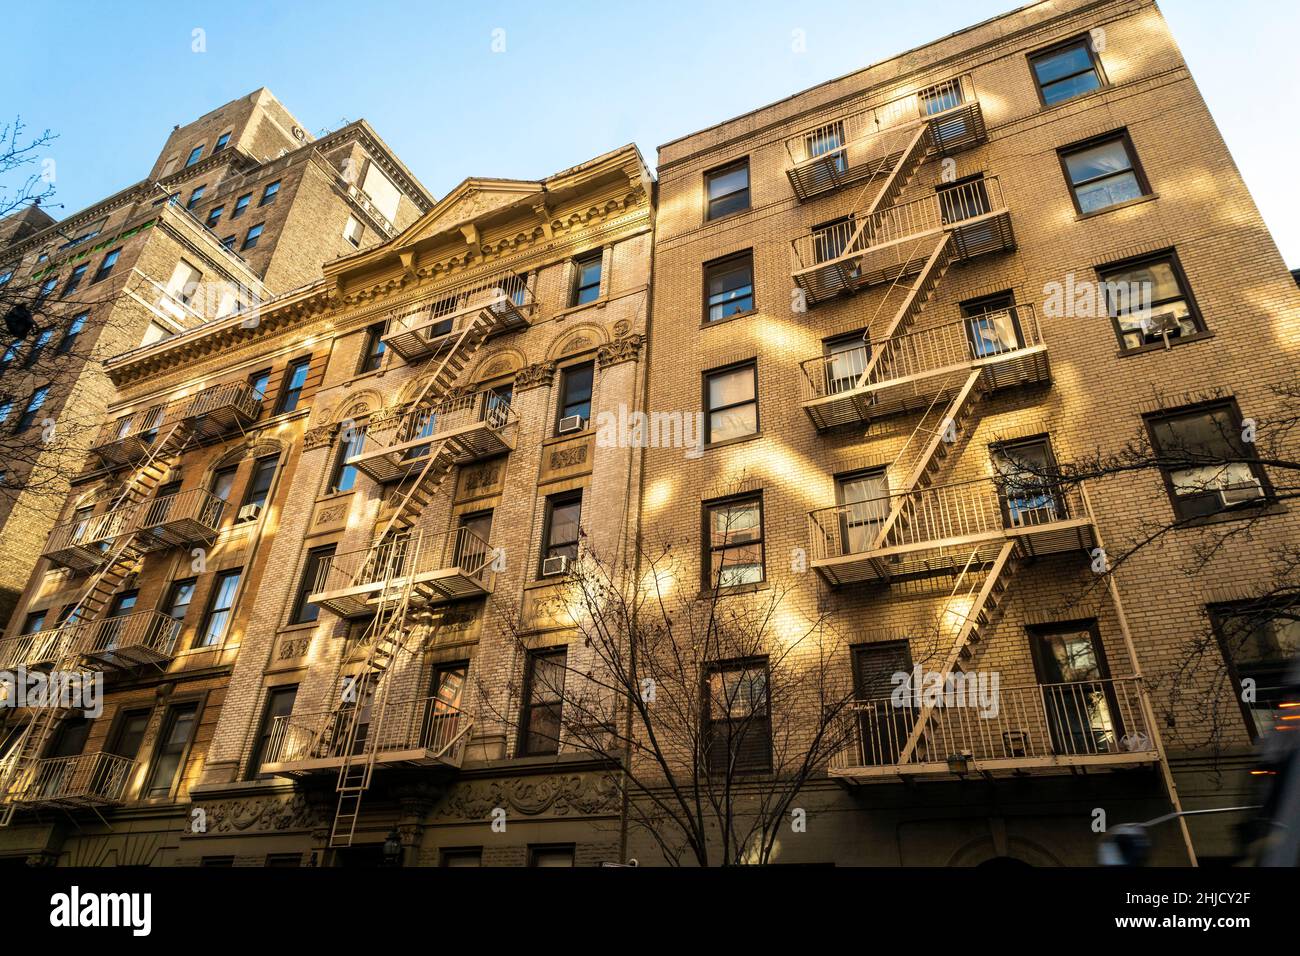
(122, 560)
(390, 628)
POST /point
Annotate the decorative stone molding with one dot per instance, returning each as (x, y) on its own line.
(534, 376)
(319, 437)
(260, 814)
(626, 349)
(561, 795)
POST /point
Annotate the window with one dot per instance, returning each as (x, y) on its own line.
(1027, 486)
(11, 353)
(195, 155)
(106, 266)
(992, 325)
(251, 237)
(563, 523)
(731, 403)
(258, 382)
(882, 728)
(304, 612)
(543, 702)
(737, 727)
(184, 282)
(1083, 716)
(727, 190)
(575, 392)
(217, 619)
(344, 476)
(372, 349)
(74, 279)
(1259, 640)
(472, 542)
(240, 205)
(1206, 465)
(70, 336)
(221, 143)
(33, 406)
(283, 860)
(827, 140)
(229, 241)
(831, 239)
(33, 623)
(1148, 301)
(6, 276)
(733, 536)
(729, 287)
(551, 855)
(179, 597)
(294, 379)
(1066, 71)
(173, 742)
(845, 358)
(586, 281)
(223, 480)
(214, 216)
(38, 347)
(269, 193)
(1103, 172)
(279, 703)
(863, 500)
(128, 734)
(6, 409)
(461, 856)
(195, 196)
(353, 231)
(259, 483)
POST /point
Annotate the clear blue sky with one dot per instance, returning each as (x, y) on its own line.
(577, 77)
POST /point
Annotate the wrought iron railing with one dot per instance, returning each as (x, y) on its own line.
(424, 723)
(89, 778)
(853, 236)
(980, 507)
(199, 509)
(151, 632)
(405, 556)
(986, 336)
(503, 293)
(980, 722)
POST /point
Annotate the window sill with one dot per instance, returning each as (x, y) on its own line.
(568, 436)
(1161, 347)
(707, 594)
(1266, 509)
(336, 495)
(733, 441)
(730, 215)
(706, 324)
(599, 303)
(1148, 197)
(294, 628)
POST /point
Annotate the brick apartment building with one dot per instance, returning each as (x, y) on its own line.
(362, 507)
(256, 205)
(862, 275)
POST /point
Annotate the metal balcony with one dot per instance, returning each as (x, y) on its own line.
(935, 530)
(87, 780)
(1034, 729)
(447, 566)
(41, 649)
(854, 252)
(470, 428)
(504, 298)
(861, 144)
(912, 371)
(219, 409)
(126, 440)
(423, 732)
(82, 544)
(129, 641)
(187, 517)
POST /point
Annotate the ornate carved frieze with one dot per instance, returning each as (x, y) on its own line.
(625, 349)
(533, 376)
(319, 437)
(258, 815)
(562, 795)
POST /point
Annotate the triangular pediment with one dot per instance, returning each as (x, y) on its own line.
(470, 200)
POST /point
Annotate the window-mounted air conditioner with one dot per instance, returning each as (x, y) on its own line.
(555, 566)
(249, 513)
(572, 423)
(1239, 492)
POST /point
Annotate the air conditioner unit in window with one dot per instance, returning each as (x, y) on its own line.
(1240, 492)
(572, 423)
(249, 513)
(557, 565)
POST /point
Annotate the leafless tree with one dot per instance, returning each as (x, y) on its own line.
(1231, 477)
(713, 709)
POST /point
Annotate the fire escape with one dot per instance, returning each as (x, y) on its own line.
(914, 526)
(406, 570)
(109, 546)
